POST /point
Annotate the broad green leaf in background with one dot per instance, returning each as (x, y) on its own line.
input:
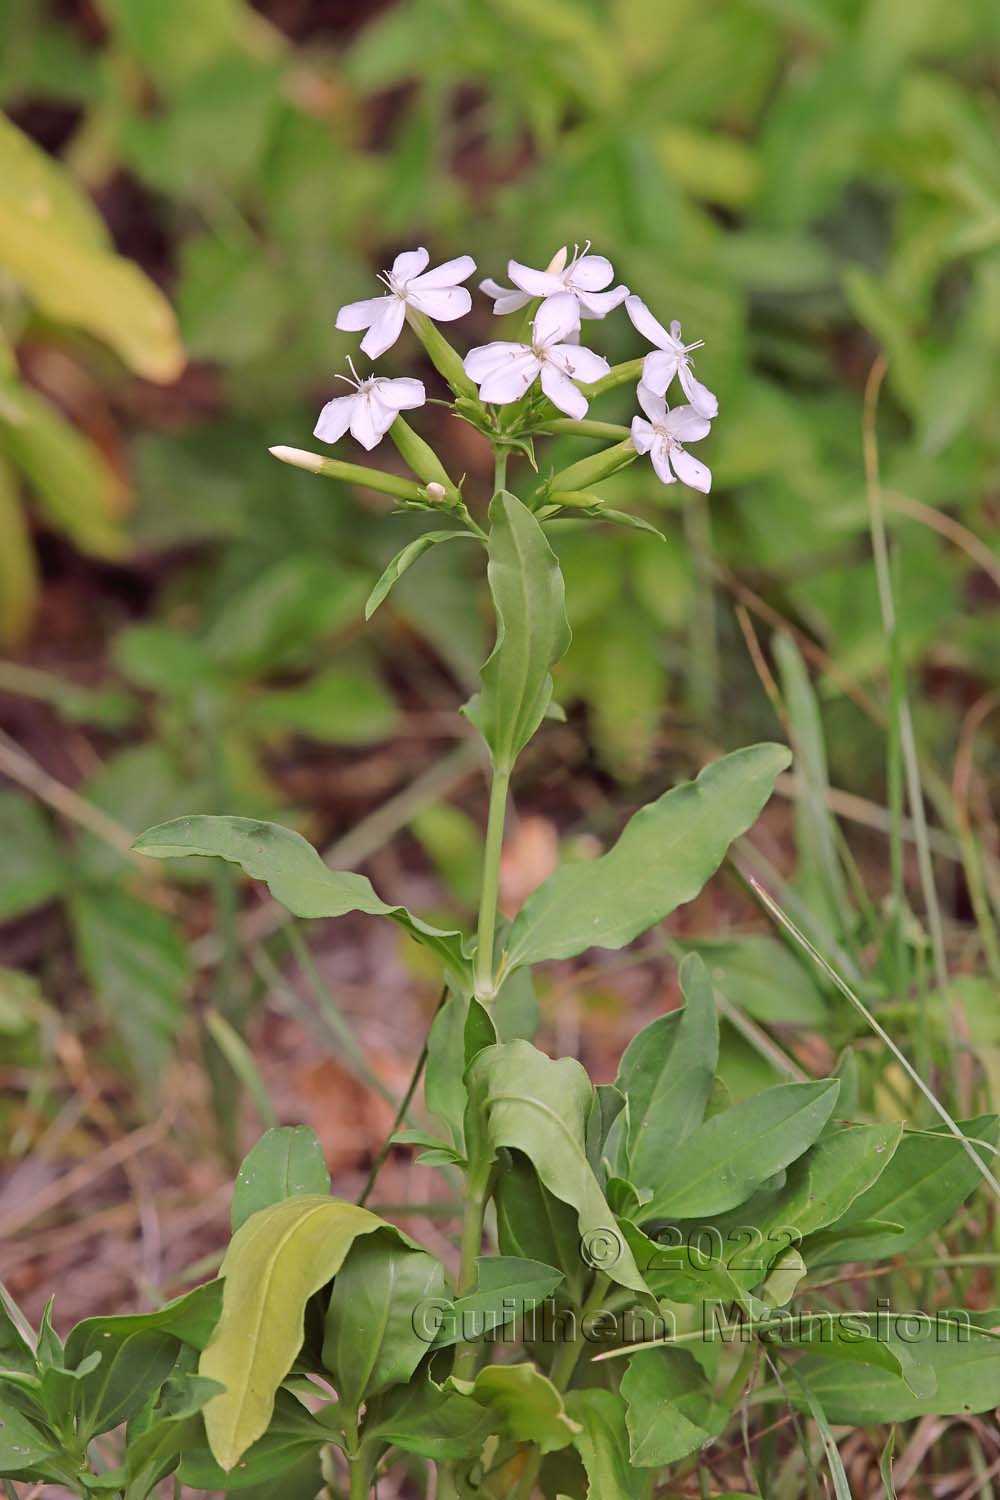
(670, 1407)
(340, 706)
(665, 855)
(373, 1338)
(75, 488)
(532, 631)
(191, 1319)
(603, 1445)
(929, 1175)
(295, 874)
(525, 1101)
(535, 1225)
(666, 1074)
(286, 1162)
(760, 975)
(50, 243)
(292, 1434)
(139, 966)
(131, 1369)
(33, 869)
(729, 1157)
(525, 1405)
(404, 560)
(272, 1267)
(19, 583)
(154, 1449)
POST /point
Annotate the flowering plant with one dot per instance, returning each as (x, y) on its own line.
(635, 1261)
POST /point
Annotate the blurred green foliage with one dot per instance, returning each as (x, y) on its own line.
(801, 182)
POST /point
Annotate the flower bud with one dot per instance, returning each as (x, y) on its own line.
(436, 492)
(558, 262)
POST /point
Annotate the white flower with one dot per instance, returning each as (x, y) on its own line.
(505, 372)
(584, 277)
(436, 293)
(669, 358)
(661, 437)
(370, 411)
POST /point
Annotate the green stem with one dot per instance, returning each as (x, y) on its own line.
(586, 428)
(477, 1196)
(625, 374)
(485, 981)
(500, 469)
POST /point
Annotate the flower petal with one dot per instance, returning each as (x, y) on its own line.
(651, 402)
(699, 395)
(334, 419)
(556, 319)
(659, 454)
(486, 358)
(599, 304)
(354, 316)
(659, 369)
(562, 392)
(577, 362)
(443, 303)
(505, 299)
(409, 263)
(509, 381)
(687, 424)
(368, 422)
(642, 435)
(400, 395)
(591, 273)
(536, 283)
(448, 273)
(647, 325)
(690, 471)
(386, 328)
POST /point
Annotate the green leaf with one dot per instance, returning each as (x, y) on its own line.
(292, 1434)
(523, 1100)
(130, 1370)
(666, 1074)
(373, 1338)
(191, 1319)
(274, 1264)
(954, 1364)
(50, 242)
(155, 1451)
(139, 966)
(532, 631)
(729, 1157)
(33, 868)
(22, 1444)
(663, 858)
(295, 874)
(423, 1418)
(15, 1351)
(341, 706)
(929, 1175)
(602, 1444)
(759, 975)
(19, 580)
(404, 560)
(670, 1410)
(506, 1287)
(840, 1337)
(525, 1405)
(533, 1225)
(285, 1163)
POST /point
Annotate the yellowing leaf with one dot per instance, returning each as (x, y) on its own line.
(274, 1264)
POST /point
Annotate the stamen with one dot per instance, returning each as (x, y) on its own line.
(386, 280)
(356, 381)
(698, 344)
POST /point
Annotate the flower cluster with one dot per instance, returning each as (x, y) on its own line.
(567, 291)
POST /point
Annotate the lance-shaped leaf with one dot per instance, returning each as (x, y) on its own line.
(373, 1336)
(405, 559)
(294, 872)
(532, 631)
(273, 1266)
(22, 1444)
(521, 1099)
(506, 1288)
(423, 1418)
(665, 855)
(666, 1074)
(728, 1157)
(293, 1434)
(286, 1162)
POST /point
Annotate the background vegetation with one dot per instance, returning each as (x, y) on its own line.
(187, 194)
